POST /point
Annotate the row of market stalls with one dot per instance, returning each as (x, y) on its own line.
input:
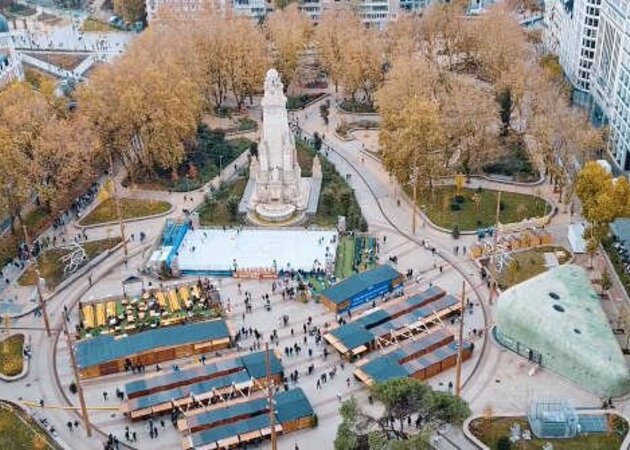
(432, 353)
(106, 354)
(202, 385)
(393, 322)
(246, 422)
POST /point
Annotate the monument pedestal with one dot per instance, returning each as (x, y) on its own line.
(276, 194)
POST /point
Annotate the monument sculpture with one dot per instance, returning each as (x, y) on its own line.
(276, 192)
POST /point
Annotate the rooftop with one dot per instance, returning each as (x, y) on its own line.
(100, 349)
(556, 319)
(356, 284)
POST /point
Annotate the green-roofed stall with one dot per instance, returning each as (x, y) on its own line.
(104, 355)
(361, 288)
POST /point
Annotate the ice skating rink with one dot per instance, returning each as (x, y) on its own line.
(214, 250)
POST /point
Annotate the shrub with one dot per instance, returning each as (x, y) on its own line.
(456, 206)
(504, 443)
(502, 205)
(459, 198)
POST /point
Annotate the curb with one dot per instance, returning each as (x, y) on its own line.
(25, 365)
(135, 219)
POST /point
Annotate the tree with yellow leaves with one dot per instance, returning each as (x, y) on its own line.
(131, 10)
(144, 109)
(64, 156)
(22, 117)
(603, 200)
(411, 144)
(289, 32)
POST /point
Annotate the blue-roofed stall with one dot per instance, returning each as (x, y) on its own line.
(397, 320)
(104, 355)
(423, 358)
(158, 394)
(361, 288)
(246, 421)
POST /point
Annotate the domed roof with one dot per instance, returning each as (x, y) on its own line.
(4, 24)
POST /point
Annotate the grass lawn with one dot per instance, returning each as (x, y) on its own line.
(15, 434)
(470, 215)
(51, 266)
(129, 209)
(500, 426)
(92, 25)
(347, 253)
(11, 357)
(216, 212)
(526, 264)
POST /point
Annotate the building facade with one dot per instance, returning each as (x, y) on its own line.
(611, 78)
(10, 60)
(592, 41)
(571, 28)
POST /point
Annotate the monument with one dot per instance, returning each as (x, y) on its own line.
(276, 193)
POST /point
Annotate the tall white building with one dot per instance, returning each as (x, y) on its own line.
(611, 78)
(570, 32)
(10, 61)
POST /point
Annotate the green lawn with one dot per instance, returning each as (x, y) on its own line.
(15, 434)
(216, 212)
(129, 209)
(490, 433)
(91, 25)
(51, 266)
(11, 358)
(337, 197)
(441, 207)
(526, 264)
(346, 256)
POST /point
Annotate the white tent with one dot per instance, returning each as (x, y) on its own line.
(576, 240)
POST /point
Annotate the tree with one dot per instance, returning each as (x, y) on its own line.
(64, 156)
(411, 142)
(144, 109)
(22, 117)
(603, 200)
(353, 55)
(289, 31)
(131, 10)
(605, 281)
(211, 205)
(401, 398)
(232, 206)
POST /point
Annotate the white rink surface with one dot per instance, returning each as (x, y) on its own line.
(257, 248)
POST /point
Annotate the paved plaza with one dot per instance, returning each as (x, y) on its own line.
(492, 377)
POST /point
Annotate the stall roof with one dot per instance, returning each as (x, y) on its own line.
(292, 405)
(358, 283)
(100, 349)
(232, 429)
(178, 393)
